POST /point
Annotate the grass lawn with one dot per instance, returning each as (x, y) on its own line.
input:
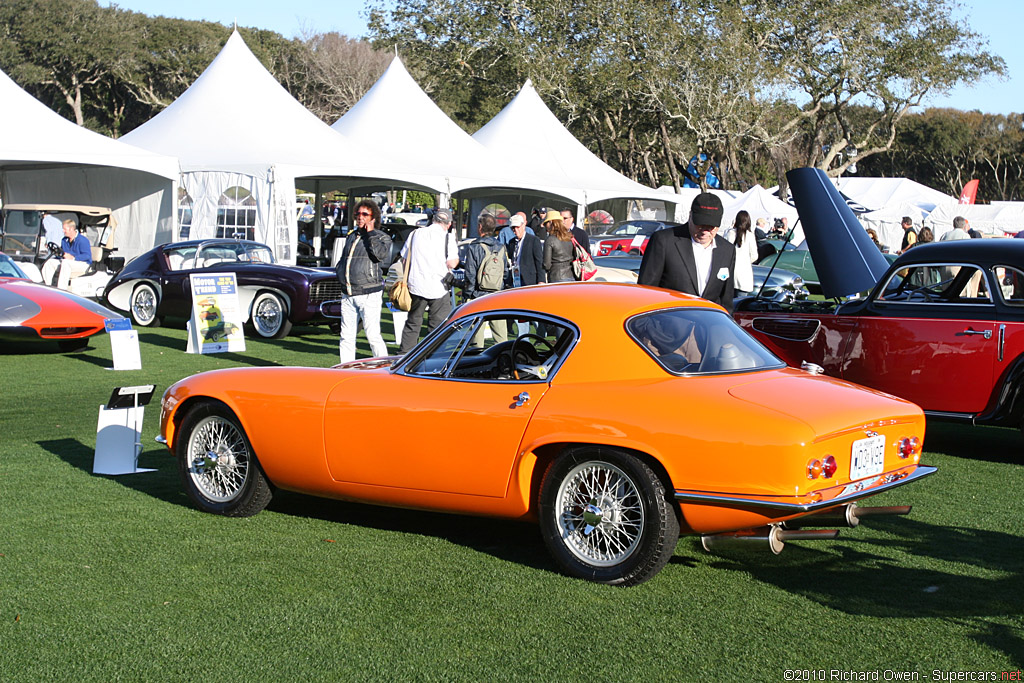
(105, 578)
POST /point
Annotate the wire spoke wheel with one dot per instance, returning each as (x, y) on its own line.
(600, 513)
(218, 458)
(270, 316)
(144, 305)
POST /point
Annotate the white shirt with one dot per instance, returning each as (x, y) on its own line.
(702, 257)
(427, 265)
(746, 254)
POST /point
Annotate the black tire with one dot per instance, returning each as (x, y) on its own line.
(269, 318)
(618, 535)
(68, 345)
(219, 470)
(143, 306)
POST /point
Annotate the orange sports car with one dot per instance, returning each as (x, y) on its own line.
(615, 415)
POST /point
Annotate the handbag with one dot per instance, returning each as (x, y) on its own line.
(399, 293)
(583, 267)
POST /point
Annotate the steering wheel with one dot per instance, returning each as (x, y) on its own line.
(533, 354)
(55, 250)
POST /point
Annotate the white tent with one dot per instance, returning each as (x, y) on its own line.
(406, 127)
(887, 222)
(878, 193)
(996, 219)
(44, 158)
(243, 140)
(525, 132)
(760, 203)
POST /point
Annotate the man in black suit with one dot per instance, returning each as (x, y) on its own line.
(526, 254)
(692, 258)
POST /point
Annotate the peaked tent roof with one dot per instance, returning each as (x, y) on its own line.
(526, 129)
(759, 203)
(237, 117)
(877, 193)
(40, 137)
(406, 126)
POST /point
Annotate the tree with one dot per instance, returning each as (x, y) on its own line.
(338, 71)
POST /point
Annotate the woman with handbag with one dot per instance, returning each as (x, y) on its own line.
(558, 249)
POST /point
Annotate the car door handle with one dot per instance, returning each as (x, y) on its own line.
(522, 399)
(985, 333)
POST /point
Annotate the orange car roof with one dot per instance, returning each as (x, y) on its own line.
(581, 302)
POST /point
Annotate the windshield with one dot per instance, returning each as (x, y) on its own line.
(699, 341)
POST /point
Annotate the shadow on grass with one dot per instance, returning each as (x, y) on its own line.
(851, 577)
(508, 540)
(991, 444)
(162, 484)
(512, 541)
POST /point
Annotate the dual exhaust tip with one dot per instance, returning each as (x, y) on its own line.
(775, 536)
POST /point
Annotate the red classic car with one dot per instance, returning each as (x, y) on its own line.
(943, 326)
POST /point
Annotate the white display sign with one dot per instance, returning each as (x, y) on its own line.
(216, 323)
(124, 344)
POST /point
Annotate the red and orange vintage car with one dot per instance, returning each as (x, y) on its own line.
(943, 326)
(31, 312)
(695, 428)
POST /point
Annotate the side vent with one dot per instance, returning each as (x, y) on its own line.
(792, 329)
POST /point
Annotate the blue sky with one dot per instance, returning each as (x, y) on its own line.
(999, 20)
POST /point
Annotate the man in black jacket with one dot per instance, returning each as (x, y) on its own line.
(692, 258)
(361, 273)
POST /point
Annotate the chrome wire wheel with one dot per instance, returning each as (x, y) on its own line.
(600, 513)
(268, 315)
(218, 459)
(144, 305)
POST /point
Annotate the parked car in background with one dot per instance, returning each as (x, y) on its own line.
(943, 326)
(608, 463)
(31, 312)
(799, 261)
(629, 237)
(272, 296)
(780, 283)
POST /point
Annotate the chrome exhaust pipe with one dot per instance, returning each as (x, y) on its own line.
(772, 538)
(845, 515)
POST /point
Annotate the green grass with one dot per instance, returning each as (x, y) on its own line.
(119, 578)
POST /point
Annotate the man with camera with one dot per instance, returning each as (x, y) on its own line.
(432, 253)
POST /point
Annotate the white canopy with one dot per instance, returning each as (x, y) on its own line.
(887, 222)
(760, 203)
(526, 131)
(878, 193)
(44, 158)
(994, 219)
(405, 126)
(243, 139)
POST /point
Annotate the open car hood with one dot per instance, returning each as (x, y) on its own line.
(846, 259)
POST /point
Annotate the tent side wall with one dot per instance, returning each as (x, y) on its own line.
(144, 205)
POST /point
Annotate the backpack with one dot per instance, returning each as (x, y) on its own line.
(490, 275)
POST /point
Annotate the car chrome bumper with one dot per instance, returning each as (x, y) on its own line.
(699, 498)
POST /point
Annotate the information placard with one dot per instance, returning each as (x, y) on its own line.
(216, 323)
(124, 344)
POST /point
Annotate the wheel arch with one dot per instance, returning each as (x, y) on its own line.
(249, 295)
(1008, 406)
(544, 455)
(185, 407)
(120, 296)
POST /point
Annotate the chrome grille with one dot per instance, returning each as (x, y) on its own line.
(324, 290)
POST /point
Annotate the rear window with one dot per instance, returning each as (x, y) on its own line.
(699, 341)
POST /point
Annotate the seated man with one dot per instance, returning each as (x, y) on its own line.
(77, 257)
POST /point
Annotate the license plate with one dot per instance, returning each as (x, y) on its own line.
(868, 457)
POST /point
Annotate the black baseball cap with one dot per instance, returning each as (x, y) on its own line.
(706, 210)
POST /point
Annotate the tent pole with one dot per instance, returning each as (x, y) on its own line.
(317, 221)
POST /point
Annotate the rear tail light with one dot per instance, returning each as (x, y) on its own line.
(908, 446)
(828, 467)
(823, 468)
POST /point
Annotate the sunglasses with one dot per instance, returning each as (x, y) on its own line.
(363, 213)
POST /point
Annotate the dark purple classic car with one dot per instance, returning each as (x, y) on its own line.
(273, 296)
